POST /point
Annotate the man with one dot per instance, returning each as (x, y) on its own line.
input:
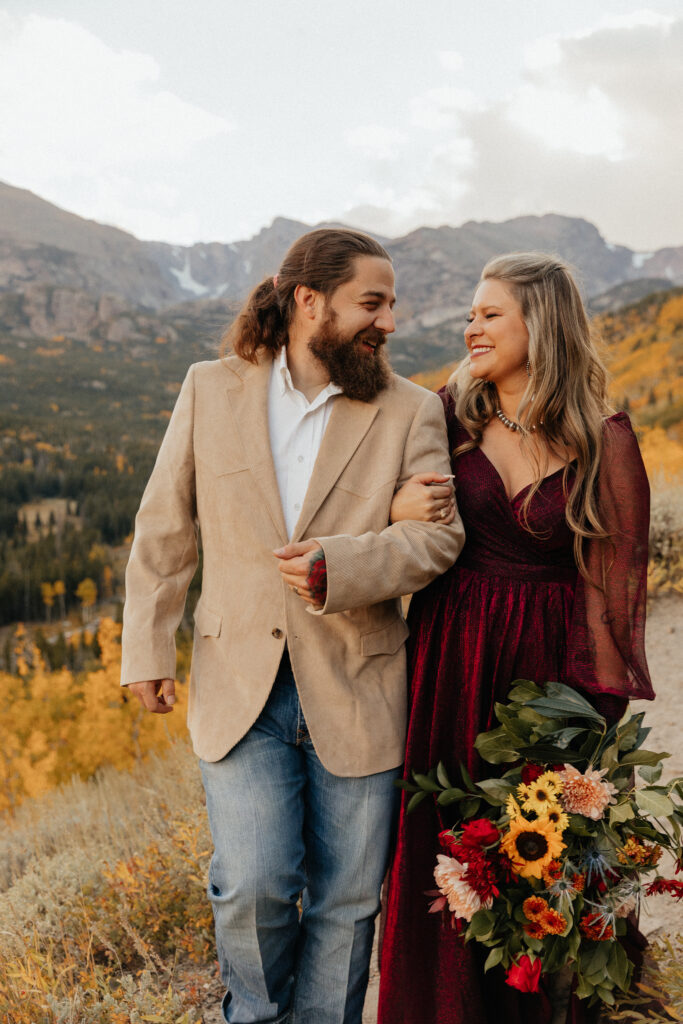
(287, 453)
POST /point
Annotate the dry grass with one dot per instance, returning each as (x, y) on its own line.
(665, 572)
(105, 917)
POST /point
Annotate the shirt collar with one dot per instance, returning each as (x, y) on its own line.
(285, 384)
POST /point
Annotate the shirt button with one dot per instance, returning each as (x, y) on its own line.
(277, 633)
(300, 459)
(297, 507)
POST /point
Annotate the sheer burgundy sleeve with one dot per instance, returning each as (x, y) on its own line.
(606, 649)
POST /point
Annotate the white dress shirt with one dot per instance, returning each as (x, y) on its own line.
(296, 428)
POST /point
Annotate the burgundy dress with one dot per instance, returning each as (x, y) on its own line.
(513, 606)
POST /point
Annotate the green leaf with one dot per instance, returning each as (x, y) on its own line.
(449, 796)
(494, 958)
(524, 690)
(621, 812)
(426, 783)
(619, 967)
(482, 924)
(405, 784)
(644, 757)
(651, 772)
(442, 775)
(497, 789)
(415, 801)
(584, 989)
(643, 829)
(563, 737)
(496, 746)
(466, 778)
(470, 806)
(579, 825)
(656, 804)
(606, 993)
(627, 734)
(610, 756)
(563, 702)
(548, 754)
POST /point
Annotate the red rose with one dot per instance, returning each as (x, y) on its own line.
(525, 974)
(447, 840)
(531, 772)
(480, 833)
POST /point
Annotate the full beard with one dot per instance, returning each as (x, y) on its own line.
(361, 375)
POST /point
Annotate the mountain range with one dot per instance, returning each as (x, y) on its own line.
(63, 274)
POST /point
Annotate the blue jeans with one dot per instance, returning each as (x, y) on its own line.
(284, 827)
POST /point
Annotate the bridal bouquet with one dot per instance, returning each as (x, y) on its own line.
(548, 860)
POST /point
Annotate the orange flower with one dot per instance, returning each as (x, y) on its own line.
(533, 906)
(535, 930)
(579, 881)
(637, 852)
(552, 872)
(552, 921)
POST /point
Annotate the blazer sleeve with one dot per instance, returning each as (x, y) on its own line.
(164, 554)
(407, 555)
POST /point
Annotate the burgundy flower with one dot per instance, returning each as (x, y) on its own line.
(531, 772)
(525, 974)
(482, 875)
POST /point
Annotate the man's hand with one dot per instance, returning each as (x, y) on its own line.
(156, 695)
(300, 565)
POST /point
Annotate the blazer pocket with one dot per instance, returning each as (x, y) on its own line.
(208, 623)
(386, 640)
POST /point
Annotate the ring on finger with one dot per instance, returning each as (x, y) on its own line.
(296, 590)
(443, 513)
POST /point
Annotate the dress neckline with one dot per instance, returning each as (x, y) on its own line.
(513, 499)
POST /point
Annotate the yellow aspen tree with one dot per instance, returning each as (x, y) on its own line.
(47, 592)
(86, 592)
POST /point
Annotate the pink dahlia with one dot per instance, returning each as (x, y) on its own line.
(586, 794)
(463, 901)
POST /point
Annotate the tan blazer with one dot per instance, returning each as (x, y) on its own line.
(215, 470)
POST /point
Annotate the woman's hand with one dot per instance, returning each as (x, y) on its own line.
(426, 497)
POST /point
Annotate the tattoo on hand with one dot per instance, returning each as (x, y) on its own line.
(317, 577)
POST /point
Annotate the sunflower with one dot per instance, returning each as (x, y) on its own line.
(512, 808)
(541, 794)
(558, 818)
(531, 845)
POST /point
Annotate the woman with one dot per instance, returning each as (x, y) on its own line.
(551, 585)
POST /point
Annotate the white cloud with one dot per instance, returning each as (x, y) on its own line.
(585, 122)
(594, 129)
(437, 109)
(376, 141)
(79, 112)
(451, 60)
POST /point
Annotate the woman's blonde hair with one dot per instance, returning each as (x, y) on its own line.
(565, 397)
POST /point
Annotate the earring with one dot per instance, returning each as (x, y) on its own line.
(528, 368)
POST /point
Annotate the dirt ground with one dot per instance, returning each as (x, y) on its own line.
(664, 640)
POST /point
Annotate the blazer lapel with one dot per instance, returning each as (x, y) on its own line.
(348, 424)
(248, 395)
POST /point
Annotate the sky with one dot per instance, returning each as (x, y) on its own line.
(204, 121)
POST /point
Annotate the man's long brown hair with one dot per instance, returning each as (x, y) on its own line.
(323, 259)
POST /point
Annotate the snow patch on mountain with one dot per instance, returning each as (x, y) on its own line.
(186, 281)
